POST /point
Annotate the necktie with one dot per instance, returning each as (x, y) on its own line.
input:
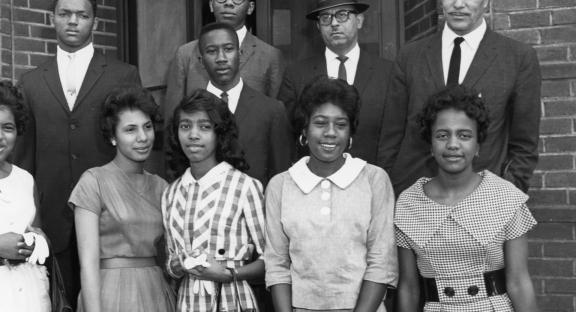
(342, 69)
(70, 83)
(454, 69)
(224, 97)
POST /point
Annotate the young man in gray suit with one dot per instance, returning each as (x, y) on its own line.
(504, 72)
(339, 22)
(261, 65)
(64, 96)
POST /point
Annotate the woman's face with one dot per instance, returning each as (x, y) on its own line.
(8, 133)
(454, 141)
(134, 135)
(328, 134)
(197, 138)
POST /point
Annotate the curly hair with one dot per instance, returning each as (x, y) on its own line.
(11, 98)
(322, 90)
(123, 99)
(227, 147)
(459, 98)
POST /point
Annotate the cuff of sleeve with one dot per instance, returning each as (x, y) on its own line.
(275, 280)
(174, 267)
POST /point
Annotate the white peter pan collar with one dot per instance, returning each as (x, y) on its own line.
(209, 178)
(307, 180)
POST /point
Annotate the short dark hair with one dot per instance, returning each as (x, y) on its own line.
(93, 3)
(459, 98)
(11, 98)
(216, 26)
(123, 99)
(322, 90)
(227, 146)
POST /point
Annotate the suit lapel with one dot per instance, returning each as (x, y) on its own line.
(52, 79)
(319, 66)
(248, 48)
(243, 109)
(486, 54)
(95, 70)
(363, 72)
(434, 59)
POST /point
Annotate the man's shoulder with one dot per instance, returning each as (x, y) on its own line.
(376, 60)
(505, 43)
(112, 61)
(189, 46)
(259, 99)
(260, 44)
(36, 72)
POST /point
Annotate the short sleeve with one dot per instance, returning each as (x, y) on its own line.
(86, 194)
(520, 224)
(401, 239)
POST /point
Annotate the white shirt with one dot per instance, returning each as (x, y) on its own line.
(241, 34)
(233, 94)
(333, 63)
(72, 68)
(468, 48)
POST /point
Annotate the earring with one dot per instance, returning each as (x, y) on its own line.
(113, 141)
(350, 144)
(302, 140)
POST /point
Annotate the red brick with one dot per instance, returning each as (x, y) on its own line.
(43, 32)
(104, 39)
(6, 71)
(20, 70)
(530, 19)
(510, 5)
(530, 36)
(552, 53)
(555, 303)
(536, 182)
(6, 42)
(566, 16)
(556, 3)
(555, 162)
(561, 70)
(107, 13)
(23, 44)
(562, 34)
(560, 250)
(551, 267)
(560, 108)
(556, 126)
(559, 214)
(535, 249)
(572, 199)
(560, 179)
(5, 27)
(548, 197)
(561, 286)
(109, 27)
(553, 231)
(41, 4)
(6, 56)
(501, 21)
(24, 15)
(21, 3)
(22, 30)
(560, 144)
(21, 59)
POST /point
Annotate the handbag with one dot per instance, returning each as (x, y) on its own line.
(57, 291)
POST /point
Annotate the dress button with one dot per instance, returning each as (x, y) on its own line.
(325, 184)
(221, 251)
(449, 291)
(473, 290)
(325, 211)
(325, 196)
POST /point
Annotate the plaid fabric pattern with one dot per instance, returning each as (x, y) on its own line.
(457, 244)
(222, 215)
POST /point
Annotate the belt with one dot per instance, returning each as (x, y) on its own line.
(10, 262)
(118, 263)
(494, 281)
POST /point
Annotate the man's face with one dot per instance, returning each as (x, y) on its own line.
(220, 56)
(463, 16)
(341, 37)
(73, 21)
(229, 12)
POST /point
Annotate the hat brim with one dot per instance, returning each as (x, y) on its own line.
(360, 7)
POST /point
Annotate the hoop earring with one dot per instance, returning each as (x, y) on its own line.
(350, 144)
(302, 140)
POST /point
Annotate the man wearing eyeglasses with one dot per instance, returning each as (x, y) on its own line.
(261, 65)
(339, 22)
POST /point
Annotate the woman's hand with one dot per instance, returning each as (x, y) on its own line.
(13, 247)
(214, 272)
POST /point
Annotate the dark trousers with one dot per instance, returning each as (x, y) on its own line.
(70, 269)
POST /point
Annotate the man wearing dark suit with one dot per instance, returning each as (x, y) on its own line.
(504, 72)
(339, 22)
(261, 65)
(64, 96)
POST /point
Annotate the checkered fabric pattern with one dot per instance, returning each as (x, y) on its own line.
(457, 244)
(221, 215)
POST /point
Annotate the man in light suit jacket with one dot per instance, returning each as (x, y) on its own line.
(64, 96)
(261, 65)
(504, 72)
(339, 22)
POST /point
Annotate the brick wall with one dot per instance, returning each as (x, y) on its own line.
(420, 18)
(550, 25)
(27, 38)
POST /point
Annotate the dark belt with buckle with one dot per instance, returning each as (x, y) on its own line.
(494, 281)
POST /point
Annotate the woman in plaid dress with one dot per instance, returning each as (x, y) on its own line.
(462, 231)
(213, 214)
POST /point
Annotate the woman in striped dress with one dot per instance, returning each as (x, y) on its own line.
(213, 214)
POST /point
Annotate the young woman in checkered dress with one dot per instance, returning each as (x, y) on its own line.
(213, 214)
(462, 231)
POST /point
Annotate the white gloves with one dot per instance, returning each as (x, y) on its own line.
(41, 251)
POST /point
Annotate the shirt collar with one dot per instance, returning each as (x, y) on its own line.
(307, 180)
(209, 178)
(353, 55)
(241, 34)
(85, 53)
(472, 38)
(233, 93)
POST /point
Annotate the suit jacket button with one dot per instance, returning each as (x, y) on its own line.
(473, 290)
(449, 291)
(74, 156)
(73, 126)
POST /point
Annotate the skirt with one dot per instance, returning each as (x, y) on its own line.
(134, 289)
(24, 288)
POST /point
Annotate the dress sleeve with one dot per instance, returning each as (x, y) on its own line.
(253, 210)
(520, 224)
(382, 259)
(402, 239)
(87, 194)
(173, 264)
(276, 253)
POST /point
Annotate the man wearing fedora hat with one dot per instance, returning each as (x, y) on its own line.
(339, 22)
